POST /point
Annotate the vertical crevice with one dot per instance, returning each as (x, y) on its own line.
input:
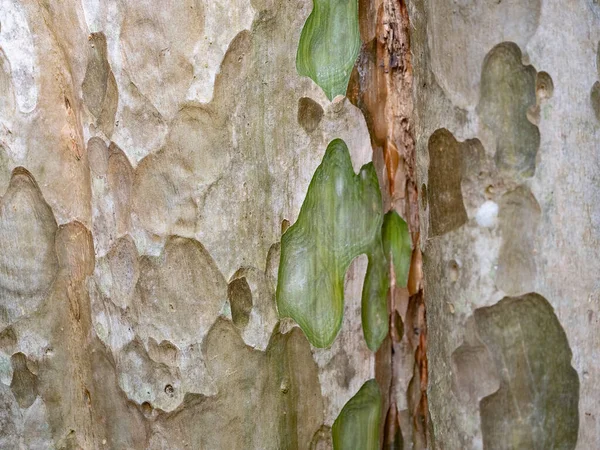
(382, 87)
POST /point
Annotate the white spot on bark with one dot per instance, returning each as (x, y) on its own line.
(487, 214)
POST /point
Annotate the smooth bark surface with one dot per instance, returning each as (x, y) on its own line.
(507, 148)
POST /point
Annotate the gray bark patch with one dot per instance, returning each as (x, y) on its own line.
(519, 217)
(595, 93)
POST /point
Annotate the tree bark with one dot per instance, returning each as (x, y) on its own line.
(153, 154)
(507, 143)
(150, 159)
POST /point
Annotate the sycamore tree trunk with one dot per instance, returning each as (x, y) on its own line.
(152, 154)
(508, 132)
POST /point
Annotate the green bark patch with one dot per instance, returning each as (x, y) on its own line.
(329, 45)
(357, 426)
(397, 246)
(508, 91)
(340, 219)
(536, 406)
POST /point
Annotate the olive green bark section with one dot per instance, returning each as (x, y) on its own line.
(357, 426)
(340, 219)
(595, 98)
(397, 246)
(374, 313)
(329, 45)
(507, 92)
(536, 406)
(310, 114)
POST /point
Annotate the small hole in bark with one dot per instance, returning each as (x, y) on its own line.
(544, 85)
(169, 390)
(285, 386)
(146, 408)
(453, 271)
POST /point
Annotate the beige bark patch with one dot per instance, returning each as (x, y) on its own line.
(179, 294)
(97, 156)
(446, 207)
(99, 87)
(120, 184)
(118, 422)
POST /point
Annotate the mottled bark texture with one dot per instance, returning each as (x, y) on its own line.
(150, 158)
(151, 155)
(507, 132)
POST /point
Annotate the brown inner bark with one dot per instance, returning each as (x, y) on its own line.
(381, 86)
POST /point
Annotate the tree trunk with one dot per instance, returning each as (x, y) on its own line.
(152, 154)
(157, 154)
(507, 145)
